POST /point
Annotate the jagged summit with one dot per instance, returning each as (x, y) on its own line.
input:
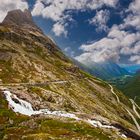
(20, 18)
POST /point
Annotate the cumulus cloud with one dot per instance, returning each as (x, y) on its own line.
(59, 10)
(135, 6)
(133, 19)
(135, 59)
(115, 46)
(100, 20)
(59, 28)
(55, 9)
(8, 5)
(38, 7)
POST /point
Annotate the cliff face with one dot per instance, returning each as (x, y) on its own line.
(64, 101)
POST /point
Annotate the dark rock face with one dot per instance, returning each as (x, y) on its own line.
(20, 18)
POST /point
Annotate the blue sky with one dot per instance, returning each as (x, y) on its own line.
(88, 30)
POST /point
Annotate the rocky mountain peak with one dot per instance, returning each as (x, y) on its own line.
(20, 18)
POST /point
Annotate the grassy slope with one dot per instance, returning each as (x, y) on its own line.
(132, 89)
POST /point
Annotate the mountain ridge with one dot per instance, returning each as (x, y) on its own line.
(104, 70)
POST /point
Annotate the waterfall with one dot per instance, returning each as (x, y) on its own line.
(19, 105)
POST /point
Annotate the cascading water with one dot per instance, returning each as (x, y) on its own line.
(21, 106)
(25, 108)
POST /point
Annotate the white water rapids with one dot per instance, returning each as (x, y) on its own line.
(25, 108)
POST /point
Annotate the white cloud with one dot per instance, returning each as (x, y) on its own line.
(38, 7)
(135, 59)
(115, 47)
(57, 10)
(115, 32)
(136, 49)
(133, 19)
(59, 29)
(135, 6)
(100, 20)
(8, 5)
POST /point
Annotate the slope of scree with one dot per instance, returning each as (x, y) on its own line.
(37, 76)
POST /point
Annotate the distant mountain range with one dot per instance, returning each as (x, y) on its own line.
(104, 70)
(131, 68)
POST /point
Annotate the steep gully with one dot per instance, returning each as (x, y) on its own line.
(25, 108)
